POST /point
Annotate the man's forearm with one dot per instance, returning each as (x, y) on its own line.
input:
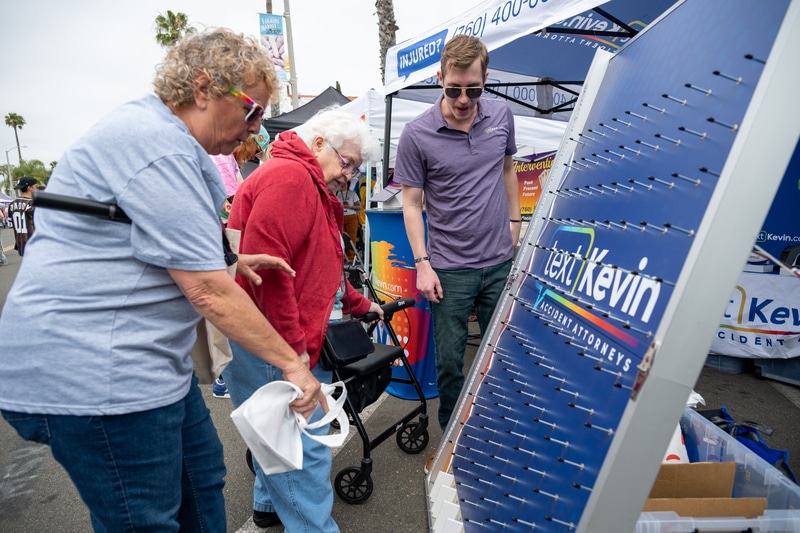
(415, 229)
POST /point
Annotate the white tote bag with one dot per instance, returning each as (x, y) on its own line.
(273, 431)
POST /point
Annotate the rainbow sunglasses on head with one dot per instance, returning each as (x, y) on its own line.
(256, 111)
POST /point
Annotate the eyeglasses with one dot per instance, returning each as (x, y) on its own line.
(348, 169)
(455, 92)
(256, 111)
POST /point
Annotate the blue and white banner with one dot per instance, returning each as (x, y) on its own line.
(495, 22)
(272, 41)
(762, 319)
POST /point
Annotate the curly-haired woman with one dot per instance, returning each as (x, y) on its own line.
(103, 314)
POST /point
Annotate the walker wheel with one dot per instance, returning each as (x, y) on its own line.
(348, 491)
(410, 444)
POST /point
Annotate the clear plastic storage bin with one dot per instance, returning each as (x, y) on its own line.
(755, 478)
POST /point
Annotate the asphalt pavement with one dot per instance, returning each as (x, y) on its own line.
(37, 495)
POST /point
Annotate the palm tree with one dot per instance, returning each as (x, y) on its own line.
(170, 28)
(15, 121)
(33, 168)
(387, 28)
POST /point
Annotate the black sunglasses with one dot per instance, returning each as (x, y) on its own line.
(455, 92)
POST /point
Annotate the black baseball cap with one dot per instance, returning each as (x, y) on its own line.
(25, 181)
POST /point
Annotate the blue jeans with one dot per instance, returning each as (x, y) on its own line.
(160, 470)
(463, 289)
(303, 498)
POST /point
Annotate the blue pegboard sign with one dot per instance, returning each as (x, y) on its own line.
(640, 177)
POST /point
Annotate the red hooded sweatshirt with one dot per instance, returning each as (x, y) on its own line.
(284, 209)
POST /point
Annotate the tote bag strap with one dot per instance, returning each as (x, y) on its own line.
(335, 412)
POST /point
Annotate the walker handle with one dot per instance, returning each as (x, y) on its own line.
(79, 205)
(389, 309)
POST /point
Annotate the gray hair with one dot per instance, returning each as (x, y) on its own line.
(228, 59)
(338, 127)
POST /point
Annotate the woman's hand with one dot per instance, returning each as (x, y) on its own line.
(248, 264)
(374, 307)
(301, 376)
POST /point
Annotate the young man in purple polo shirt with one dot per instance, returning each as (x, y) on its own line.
(459, 155)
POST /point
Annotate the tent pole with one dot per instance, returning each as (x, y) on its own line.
(387, 140)
(290, 45)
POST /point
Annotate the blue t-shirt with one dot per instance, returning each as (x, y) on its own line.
(461, 175)
(94, 324)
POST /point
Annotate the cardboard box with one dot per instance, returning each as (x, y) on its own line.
(700, 489)
(754, 478)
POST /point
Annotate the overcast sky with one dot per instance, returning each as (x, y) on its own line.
(64, 64)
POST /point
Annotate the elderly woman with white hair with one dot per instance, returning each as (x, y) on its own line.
(287, 208)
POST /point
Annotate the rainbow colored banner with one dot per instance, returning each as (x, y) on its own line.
(532, 172)
(394, 276)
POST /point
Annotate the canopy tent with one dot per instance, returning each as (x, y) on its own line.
(294, 118)
(540, 52)
(539, 55)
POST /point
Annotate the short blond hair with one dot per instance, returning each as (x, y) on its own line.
(228, 59)
(461, 51)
